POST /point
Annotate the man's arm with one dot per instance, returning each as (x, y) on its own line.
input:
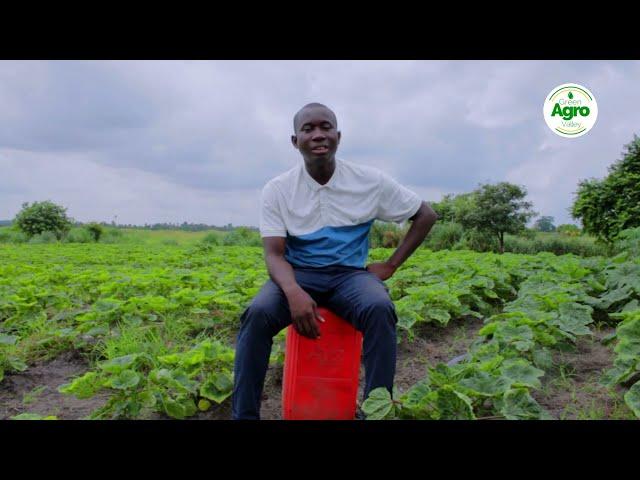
(303, 308)
(422, 222)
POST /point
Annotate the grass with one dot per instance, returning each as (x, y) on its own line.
(30, 397)
(168, 237)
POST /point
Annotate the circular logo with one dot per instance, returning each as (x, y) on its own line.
(570, 110)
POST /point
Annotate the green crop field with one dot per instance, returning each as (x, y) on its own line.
(147, 331)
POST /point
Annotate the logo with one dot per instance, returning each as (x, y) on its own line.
(570, 110)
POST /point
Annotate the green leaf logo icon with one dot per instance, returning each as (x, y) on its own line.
(570, 95)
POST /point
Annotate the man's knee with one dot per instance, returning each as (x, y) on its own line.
(381, 310)
(262, 314)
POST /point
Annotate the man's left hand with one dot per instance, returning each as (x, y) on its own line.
(383, 270)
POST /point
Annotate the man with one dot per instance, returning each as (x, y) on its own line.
(314, 222)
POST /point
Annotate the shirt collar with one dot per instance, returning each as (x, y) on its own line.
(315, 186)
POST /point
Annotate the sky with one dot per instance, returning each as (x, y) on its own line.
(195, 141)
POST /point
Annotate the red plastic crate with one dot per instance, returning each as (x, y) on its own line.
(320, 379)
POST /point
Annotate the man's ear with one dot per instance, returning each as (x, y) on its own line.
(294, 140)
(339, 136)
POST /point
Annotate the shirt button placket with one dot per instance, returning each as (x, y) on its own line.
(322, 204)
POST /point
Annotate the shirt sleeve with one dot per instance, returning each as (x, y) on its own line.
(397, 203)
(271, 221)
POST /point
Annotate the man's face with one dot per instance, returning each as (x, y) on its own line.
(316, 135)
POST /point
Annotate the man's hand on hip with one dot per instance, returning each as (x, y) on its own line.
(382, 270)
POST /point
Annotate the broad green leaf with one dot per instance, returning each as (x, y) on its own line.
(125, 380)
(485, 384)
(628, 339)
(172, 359)
(521, 373)
(454, 405)
(517, 404)
(542, 358)
(204, 405)
(632, 398)
(210, 391)
(147, 399)
(378, 404)
(622, 370)
(83, 387)
(33, 416)
(118, 364)
(439, 315)
(489, 329)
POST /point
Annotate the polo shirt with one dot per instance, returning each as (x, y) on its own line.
(329, 224)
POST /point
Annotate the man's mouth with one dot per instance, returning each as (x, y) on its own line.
(320, 150)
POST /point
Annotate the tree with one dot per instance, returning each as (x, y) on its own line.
(607, 207)
(42, 217)
(545, 224)
(498, 209)
(452, 207)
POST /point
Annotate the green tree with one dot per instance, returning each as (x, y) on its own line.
(496, 210)
(453, 207)
(607, 207)
(545, 224)
(43, 217)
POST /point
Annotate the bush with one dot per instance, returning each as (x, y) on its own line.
(480, 241)
(12, 235)
(211, 239)
(568, 229)
(629, 241)
(78, 235)
(444, 236)
(243, 237)
(385, 234)
(112, 235)
(95, 230)
(558, 244)
(44, 237)
(42, 217)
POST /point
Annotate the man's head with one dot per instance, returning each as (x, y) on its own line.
(316, 134)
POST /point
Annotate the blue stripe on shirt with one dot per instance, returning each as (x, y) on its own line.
(348, 246)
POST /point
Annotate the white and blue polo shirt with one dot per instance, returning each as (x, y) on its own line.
(329, 224)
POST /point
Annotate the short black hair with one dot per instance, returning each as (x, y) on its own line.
(311, 105)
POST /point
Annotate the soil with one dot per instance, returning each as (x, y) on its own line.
(36, 390)
(569, 391)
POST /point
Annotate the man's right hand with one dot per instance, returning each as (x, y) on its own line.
(304, 313)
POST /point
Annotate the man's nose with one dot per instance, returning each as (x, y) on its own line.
(318, 135)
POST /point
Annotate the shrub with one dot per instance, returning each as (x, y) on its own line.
(211, 239)
(242, 236)
(44, 237)
(444, 236)
(385, 234)
(95, 230)
(568, 230)
(78, 235)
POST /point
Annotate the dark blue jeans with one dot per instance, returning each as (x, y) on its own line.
(354, 294)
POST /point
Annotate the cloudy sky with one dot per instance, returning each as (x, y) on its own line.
(195, 141)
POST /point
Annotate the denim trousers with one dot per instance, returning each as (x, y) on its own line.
(354, 294)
